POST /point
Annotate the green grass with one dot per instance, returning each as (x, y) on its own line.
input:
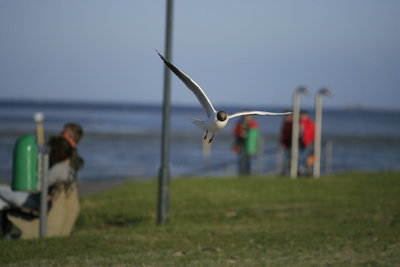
(342, 220)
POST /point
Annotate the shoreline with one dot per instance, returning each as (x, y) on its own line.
(91, 187)
(94, 187)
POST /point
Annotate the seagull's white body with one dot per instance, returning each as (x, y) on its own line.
(210, 125)
(217, 120)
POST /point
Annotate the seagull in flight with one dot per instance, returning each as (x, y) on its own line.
(216, 120)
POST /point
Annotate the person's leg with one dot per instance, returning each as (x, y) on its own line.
(287, 161)
(247, 165)
(242, 162)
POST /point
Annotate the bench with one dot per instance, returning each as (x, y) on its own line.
(63, 210)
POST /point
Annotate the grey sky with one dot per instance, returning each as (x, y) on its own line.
(253, 53)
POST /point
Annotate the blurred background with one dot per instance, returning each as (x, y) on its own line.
(94, 62)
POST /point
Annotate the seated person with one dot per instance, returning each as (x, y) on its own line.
(73, 132)
(59, 171)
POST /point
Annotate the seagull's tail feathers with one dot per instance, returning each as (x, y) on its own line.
(199, 123)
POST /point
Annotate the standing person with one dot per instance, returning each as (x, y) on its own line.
(73, 133)
(307, 137)
(246, 133)
(285, 141)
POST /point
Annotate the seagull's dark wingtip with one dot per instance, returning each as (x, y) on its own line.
(160, 55)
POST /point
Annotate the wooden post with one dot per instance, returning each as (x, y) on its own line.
(295, 130)
(318, 127)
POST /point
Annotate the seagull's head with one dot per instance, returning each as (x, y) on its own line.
(222, 115)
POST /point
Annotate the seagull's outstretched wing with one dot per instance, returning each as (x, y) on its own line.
(194, 87)
(242, 113)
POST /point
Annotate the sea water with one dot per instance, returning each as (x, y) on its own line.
(124, 140)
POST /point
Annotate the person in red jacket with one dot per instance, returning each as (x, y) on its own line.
(307, 137)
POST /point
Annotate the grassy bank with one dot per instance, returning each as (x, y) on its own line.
(343, 220)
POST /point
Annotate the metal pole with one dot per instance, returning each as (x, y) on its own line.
(44, 164)
(206, 152)
(318, 127)
(328, 163)
(164, 174)
(295, 130)
(38, 117)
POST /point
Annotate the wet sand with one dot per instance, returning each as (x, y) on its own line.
(90, 188)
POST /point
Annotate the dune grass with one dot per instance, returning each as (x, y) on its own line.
(342, 220)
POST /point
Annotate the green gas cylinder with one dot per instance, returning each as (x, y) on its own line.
(25, 163)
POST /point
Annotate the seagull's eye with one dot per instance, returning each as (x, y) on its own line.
(221, 115)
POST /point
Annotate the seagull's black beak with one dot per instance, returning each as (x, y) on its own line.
(221, 115)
